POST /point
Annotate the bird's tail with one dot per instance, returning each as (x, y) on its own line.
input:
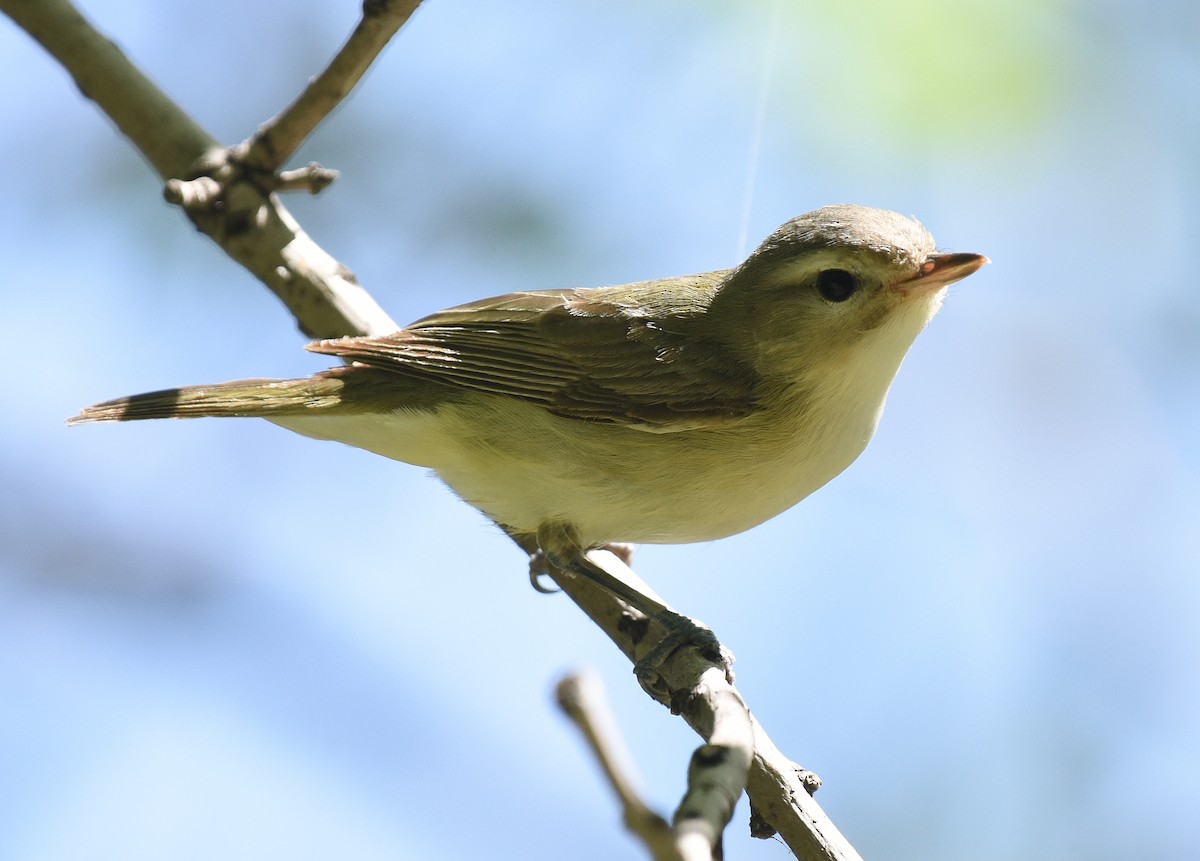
(324, 392)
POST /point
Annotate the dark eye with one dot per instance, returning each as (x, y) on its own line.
(836, 285)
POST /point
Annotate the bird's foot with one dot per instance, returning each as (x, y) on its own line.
(682, 632)
(557, 548)
(540, 564)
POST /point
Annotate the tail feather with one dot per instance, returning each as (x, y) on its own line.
(339, 389)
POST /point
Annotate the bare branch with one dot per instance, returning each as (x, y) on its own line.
(169, 139)
(279, 138)
(235, 211)
(716, 775)
(718, 770)
(581, 697)
(781, 796)
(780, 791)
(311, 178)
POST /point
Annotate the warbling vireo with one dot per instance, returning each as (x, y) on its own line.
(669, 411)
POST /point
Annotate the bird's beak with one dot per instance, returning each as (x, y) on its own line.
(938, 270)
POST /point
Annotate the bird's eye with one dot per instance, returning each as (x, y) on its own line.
(836, 285)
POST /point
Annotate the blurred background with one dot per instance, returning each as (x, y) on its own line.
(984, 636)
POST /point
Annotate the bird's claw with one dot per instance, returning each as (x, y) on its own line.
(539, 568)
(682, 633)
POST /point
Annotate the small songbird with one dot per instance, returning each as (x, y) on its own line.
(669, 411)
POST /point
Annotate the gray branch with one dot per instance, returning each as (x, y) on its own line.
(220, 198)
(279, 138)
(695, 688)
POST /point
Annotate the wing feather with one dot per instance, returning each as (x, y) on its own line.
(578, 354)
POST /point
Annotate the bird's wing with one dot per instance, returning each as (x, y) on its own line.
(579, 354)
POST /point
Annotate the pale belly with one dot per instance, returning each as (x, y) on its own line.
(524, 467)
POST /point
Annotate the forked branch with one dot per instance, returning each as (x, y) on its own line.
(220, 198)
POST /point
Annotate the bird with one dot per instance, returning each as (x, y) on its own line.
(676, 410)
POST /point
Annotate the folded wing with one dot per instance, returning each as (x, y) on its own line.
(579, 354)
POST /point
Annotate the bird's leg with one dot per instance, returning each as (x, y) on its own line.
(559, 547)
(539, 563)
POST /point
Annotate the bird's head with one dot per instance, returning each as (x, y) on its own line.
(837, 287)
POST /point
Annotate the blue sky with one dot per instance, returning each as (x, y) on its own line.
(220, 640)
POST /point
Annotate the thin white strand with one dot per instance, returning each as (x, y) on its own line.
(760, 122)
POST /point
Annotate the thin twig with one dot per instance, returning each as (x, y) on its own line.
(278, 139)
(581, 697)
(311, 178)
